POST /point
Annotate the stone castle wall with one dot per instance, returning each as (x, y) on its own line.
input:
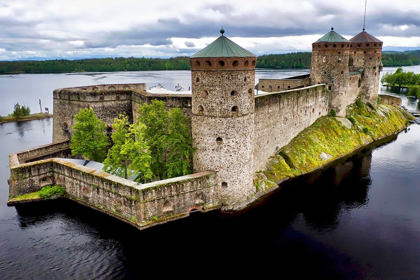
(367, 56)
(276, 85)
(222, 124)
(107, 101)
(281, 116)
(141, 205)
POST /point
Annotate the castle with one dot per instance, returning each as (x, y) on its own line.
(234, 131)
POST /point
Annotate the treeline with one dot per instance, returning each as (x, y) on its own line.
(94, 65)
(297, 60)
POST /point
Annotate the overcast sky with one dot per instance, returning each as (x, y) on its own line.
(49, 29)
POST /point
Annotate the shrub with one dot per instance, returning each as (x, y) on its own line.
(365, 130)
(352, 120)
(50, 191)
(359, 102)
(333, 113)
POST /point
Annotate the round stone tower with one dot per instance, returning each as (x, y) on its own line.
(329, 65)
(223, 79)
(366, 55)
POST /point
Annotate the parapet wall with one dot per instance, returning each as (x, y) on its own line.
(60, 149)
(107, 101)
(391, 100)
(182, 101)
(280, 116)
(141, 205)
(276, 85)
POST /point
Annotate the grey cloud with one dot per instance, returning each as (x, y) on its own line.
(189, 44)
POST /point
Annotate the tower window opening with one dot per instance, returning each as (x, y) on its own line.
(250, 90)
(326, 45)
(358, 45)
(246, 63)
(339, 52)
(224, 184)
(354, 52)
(253, 63)
(233, 93)
(342, 72)
(375, 45)
(208, 63)
(245, 79)
(219, 140)
(200, 110)
(235, 110)
(342, 45)
(329, 87)
(367, 45)
(235, 63)
(325, 72)
(339, 61)
(334, 45)
(221, 63)
(197, 63)
(205, 93)
(197, 80)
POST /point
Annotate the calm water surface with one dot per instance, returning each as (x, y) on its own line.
(359, 219)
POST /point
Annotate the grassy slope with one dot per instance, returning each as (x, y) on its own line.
(331, 138)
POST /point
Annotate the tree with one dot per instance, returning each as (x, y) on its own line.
(168, 134)
(155, 117)
(129, 154)
(138, 153)
(89, 138)
(179, 145)
(117, 162)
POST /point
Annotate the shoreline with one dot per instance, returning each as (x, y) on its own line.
(31, 117)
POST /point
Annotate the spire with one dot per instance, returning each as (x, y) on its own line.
(364, 19)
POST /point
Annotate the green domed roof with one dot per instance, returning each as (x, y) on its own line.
(223, 47)
(332, 37)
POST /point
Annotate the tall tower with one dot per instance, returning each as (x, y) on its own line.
(329, 65)
(223, 79)
(366, 55)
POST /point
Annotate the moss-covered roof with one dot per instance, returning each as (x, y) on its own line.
(223, 47)
(332, 37)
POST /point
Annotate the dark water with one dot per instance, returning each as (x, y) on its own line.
(359, 219)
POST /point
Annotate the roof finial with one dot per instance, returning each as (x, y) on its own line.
(222, 30)
(332, 28)
(364, 19)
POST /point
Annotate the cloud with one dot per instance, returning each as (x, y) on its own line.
(189, 44)
(58, 28)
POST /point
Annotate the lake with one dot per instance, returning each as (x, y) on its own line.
(358, 219)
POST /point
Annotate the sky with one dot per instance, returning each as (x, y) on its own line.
(73, 29)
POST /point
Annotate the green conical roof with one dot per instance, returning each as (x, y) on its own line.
(332, 37)
(223, 47)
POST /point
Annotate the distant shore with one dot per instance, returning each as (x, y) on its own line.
(37, 116)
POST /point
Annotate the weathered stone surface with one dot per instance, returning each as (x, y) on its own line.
(275, 85)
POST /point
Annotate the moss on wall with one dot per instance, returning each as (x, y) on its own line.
(331, 138)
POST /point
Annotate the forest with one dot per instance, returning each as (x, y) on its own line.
(298, 60)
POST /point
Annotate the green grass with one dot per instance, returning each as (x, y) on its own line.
(46, 192)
